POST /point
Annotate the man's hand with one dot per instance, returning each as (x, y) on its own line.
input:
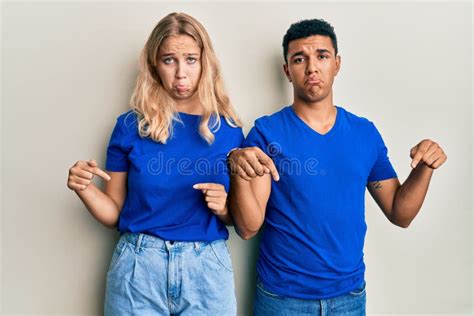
(428, 153)
(252, 162)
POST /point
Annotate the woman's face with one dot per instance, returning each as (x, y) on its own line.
(179, 67)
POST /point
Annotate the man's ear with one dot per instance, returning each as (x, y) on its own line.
(287, 73)
(338, 65)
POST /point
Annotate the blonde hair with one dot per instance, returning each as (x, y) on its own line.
(155, 108)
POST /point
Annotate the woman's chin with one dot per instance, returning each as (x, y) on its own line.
(184, 95)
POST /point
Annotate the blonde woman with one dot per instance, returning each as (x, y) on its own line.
(166, 181)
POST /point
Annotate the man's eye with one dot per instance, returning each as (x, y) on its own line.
(298, 60)
(323, 57)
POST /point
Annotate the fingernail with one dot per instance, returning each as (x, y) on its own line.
(196, 186)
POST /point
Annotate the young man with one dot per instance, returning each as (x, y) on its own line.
(321, 158)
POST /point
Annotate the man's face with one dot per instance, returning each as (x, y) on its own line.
(311, 67)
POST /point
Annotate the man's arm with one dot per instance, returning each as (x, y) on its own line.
(401, 203)
(250, 186)
(248, 202)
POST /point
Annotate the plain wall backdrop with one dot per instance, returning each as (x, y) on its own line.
(68, 70)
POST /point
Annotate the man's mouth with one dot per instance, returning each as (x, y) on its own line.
(313, 82)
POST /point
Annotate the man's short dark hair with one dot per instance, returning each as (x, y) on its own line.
(307, 28)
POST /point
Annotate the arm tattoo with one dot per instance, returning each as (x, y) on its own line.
(377, 185)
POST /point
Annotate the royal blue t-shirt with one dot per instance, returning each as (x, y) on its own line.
(160, 198)
(313, 237)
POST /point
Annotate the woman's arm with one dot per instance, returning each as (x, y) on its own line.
(105, 206)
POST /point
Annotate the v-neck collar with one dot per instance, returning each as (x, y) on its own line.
(310, 129)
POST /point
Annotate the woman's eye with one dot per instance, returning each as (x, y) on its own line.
(191, 60)
(168, 60)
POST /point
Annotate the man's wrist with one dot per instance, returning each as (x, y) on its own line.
(231, 151)
(232, 171)
(227, 157)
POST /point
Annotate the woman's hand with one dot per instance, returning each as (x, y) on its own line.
(216, 197)
(82, 173)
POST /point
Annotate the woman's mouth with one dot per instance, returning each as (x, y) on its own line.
(181, 88)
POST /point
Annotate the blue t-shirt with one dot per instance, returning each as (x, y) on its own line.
(160, 198)
(312, 242)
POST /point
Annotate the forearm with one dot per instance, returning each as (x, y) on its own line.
(247, 214)
(226, 218)
(101, 206)
(410, 195)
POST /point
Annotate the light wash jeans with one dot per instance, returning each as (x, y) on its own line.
(270, 304)
(150, 276)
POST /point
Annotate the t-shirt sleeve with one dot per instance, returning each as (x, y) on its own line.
(118, 149)
(382, 168)
(239, 139)
(255, 138)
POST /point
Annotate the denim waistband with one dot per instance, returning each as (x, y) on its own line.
(149, 241)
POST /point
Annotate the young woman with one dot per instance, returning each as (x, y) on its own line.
(166, 181)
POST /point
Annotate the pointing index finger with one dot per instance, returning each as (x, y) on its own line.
(416, 159)
(99, 172)
(268, 163)
(208, 186)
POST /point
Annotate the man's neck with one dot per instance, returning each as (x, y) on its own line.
(320, 116)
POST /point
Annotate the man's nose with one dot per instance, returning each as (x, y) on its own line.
(312, 65)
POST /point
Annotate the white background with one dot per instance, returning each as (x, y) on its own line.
(68, 70)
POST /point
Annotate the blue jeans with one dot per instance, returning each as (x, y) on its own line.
(350, 304)
(150, 276)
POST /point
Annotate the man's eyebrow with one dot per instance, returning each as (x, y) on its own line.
(301, 53)
(323, 50)
(297, 54)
